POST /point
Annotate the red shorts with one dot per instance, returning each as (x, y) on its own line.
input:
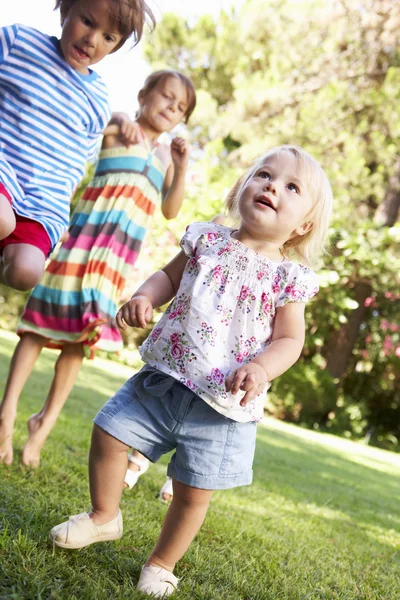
(30, 232)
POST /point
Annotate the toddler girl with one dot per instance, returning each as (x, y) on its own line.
(236, 323)
(74, 306)
(53, 108)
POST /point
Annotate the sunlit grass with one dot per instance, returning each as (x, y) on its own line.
(321, 520)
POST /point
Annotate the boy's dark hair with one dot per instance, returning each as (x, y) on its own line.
(128, 16)
(160, 76)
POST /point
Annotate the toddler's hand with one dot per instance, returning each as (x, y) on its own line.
(135, 313)
(250, 378)
(180, 152)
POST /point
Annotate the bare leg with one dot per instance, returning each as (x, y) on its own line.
(108, 462)
(7, 218)
(22, 363)
(182, 522)
(22, 266)
(40, 424)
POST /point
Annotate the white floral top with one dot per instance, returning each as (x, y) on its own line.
(223, 315)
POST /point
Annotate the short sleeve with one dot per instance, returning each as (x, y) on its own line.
(300, 286)
(199, 234)
(7, 38)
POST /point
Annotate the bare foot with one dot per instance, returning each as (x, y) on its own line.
(37, 437)
(6, 449)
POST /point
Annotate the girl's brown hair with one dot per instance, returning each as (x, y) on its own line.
(128, 16)
(160, 76)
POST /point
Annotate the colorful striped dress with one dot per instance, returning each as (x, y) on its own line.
(78, 297)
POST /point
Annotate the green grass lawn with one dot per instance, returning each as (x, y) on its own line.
(320, 521)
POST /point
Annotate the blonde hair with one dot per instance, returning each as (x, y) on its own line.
(309, 247)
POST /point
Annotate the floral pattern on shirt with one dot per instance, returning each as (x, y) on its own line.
(178, 353)
(180, 309)
(223, 315)
(245, 350)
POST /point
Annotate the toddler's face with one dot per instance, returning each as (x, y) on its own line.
(165, 105)
(275, 201)
(88, 34)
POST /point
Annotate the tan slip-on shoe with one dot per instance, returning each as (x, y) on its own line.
(157, 582)
(80, 531)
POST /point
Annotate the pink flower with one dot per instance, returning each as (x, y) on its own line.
(364, 354)
(397, 352)
(217, 376)
(218, 274)
(385, 325)
(176, 351)
(260, 275)
(275, 288)
(212, 236)
(295, 293)
(190, 385)
(244, 293)
(369, 301)
(174, 338)
(387, 343)
(155, 334)
(289, 288)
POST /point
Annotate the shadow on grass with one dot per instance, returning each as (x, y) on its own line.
(307, 473)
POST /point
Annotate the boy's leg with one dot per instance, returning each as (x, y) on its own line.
(7, 217)
(22, 266)
(22, 363)
(40, 424)
(182, 522)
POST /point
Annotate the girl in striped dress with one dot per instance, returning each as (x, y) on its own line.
(74, 307)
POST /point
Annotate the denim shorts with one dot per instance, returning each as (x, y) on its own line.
(154, 413)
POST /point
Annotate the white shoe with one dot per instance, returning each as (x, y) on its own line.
(166, 489)
(131, 477)
(157, 582)
(80, 531)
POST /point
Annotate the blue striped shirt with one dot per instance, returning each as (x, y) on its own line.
(51, 117)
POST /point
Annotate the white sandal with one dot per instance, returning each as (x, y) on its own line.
(166, 489)
(131, 477)
(157, 582)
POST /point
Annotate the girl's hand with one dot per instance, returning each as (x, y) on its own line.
(137, 312)
(180, 153)
(250, 378)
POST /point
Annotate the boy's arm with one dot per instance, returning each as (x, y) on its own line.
(174, 183)
(121, 126)
(156, 291)
(284, 350)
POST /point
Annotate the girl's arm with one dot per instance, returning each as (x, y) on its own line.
(156, 291)
(284, 350)
(174, 183)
